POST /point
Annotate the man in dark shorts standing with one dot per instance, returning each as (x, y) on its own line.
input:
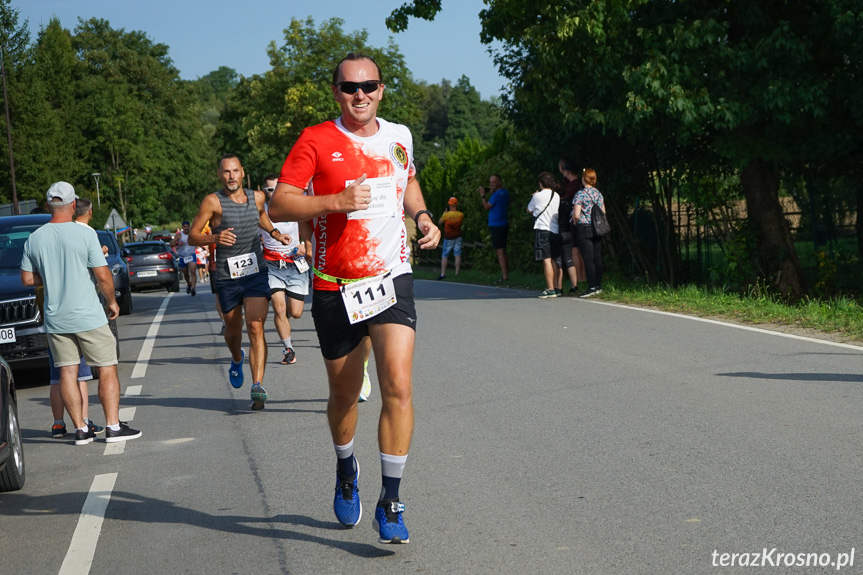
(235, 214)
(497, 206)
(359, 173)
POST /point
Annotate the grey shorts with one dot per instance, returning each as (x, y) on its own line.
(284, 276)
(97, 346)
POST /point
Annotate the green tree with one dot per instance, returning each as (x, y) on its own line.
(147, 140)
(14, 40)
(52, 146)
(468, 116)
(759, 85)
(266, 113)
(212, 92)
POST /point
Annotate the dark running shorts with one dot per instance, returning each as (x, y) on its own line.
(336, 334)
(232, 292)
(498, 236)
(545, 245)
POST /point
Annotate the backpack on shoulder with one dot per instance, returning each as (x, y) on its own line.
(599, 221)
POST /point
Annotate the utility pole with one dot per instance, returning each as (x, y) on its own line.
(15, 207)
(96, 177)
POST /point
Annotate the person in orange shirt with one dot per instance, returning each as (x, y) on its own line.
(451, 221)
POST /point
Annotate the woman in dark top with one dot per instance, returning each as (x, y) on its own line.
(588, 244)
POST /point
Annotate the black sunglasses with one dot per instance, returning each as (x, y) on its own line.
(352, 87)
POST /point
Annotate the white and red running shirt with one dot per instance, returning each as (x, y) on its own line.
(275, 250)
(325, 159)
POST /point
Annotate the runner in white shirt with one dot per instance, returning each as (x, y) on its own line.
(288, 272)
(188, 259)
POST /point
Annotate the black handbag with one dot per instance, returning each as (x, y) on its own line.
(599, 221)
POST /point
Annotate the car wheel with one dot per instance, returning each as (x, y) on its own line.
(12, 476)
(175, 287)
(126, 302)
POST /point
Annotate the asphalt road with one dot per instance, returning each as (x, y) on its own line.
(552, 436)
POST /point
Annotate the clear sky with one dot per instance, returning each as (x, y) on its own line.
(203, 35)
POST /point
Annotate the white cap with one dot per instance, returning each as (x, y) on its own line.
(62, 191)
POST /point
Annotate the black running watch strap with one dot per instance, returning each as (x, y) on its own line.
(421, 212)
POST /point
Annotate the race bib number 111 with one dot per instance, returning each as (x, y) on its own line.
(369, 297)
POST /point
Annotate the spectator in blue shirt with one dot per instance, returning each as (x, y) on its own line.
(497, 206)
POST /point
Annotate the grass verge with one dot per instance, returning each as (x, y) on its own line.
(840, 319)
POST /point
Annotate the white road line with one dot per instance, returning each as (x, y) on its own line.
(147, 348)
(115, 448)
(126, 414)
(734, 325)
(79, 557)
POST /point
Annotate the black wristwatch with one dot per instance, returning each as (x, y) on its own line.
(421, 212)
(273, 230)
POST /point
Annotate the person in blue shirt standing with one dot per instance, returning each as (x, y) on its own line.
(497, 206)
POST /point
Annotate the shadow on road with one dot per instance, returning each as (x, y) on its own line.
(433, 290)
(125, 506)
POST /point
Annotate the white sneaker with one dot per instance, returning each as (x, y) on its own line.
(366, 391)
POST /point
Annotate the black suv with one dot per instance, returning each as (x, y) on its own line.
(22, 331)
(22, 334)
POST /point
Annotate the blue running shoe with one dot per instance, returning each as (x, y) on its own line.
(93, 427)
(389, 523)
(346, 503)
(235, 373)
(259, 396)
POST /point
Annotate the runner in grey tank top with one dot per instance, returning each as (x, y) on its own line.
(235, 224)
(244, 218)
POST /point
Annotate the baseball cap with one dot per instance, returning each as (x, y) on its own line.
(453, 201)
(62, 191)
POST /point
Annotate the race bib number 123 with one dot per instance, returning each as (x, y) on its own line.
(243, 265)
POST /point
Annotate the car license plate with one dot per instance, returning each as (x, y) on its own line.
(7, 335)
(147, 274)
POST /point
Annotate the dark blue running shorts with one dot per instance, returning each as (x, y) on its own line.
(232, 292)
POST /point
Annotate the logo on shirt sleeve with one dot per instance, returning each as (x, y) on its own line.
(399, 155)
(337, 157)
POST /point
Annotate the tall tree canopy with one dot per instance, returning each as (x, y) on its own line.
(267, 112)
(758, 86)
(109, 101)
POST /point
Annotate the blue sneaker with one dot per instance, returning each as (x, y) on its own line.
(259, 396)
(235, 373)
(389, 523)
(346, 502)
(94, 428)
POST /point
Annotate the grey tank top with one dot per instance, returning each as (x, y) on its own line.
(244, 219)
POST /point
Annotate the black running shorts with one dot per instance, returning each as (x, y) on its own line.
(336, 334)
